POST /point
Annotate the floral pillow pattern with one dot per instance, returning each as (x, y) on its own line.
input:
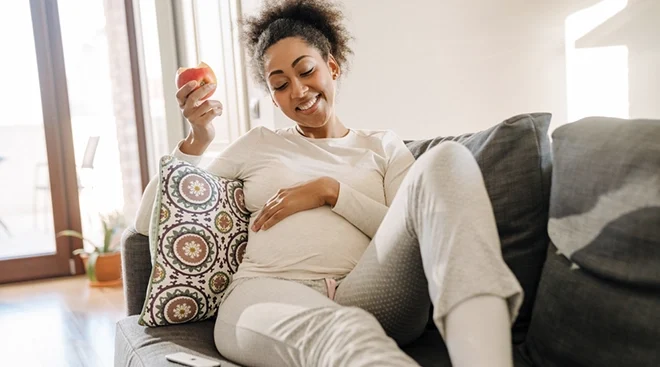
(198, 238)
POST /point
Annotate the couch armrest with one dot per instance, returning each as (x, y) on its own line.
(136, 268)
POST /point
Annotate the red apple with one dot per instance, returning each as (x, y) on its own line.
(203, 74)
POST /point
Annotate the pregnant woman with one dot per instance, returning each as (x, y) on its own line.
(349, 238)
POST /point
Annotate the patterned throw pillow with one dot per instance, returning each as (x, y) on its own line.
(198, 236)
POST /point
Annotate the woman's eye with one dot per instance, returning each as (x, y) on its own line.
(307, 72)
(281, 86)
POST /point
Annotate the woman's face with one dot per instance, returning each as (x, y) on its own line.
(301, 83)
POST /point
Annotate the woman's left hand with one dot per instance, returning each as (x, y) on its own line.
(309, 195)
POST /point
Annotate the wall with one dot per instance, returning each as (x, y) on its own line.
(425, 68)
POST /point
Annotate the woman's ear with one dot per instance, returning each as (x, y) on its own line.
(333, 66)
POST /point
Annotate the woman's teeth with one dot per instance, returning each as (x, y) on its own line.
(309, 104)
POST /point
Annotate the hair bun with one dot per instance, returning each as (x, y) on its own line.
(316, 15)
(325, 16)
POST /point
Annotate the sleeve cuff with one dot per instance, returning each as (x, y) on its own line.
(362, 211)
(345, 197)
(192, 159)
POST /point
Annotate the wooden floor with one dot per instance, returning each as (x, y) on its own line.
(59, 322)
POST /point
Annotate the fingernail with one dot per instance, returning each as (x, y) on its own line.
(212, 85)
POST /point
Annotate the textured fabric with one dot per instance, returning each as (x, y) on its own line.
(602, 307)
(275, 322)
(439, 239)
(136, 269)
(139, 346)
(515, 159)
(605, 211)
(369, 166)
(440, 227)
(198, 237)
(581, 319)
(428, 350)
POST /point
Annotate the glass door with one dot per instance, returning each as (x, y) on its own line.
(70, 156)
(35, 166)
(101, 96)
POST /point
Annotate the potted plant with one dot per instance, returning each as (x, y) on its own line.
(102, 262)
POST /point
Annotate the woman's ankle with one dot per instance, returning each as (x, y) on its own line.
(477, 332)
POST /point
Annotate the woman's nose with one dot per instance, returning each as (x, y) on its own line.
(298, 89)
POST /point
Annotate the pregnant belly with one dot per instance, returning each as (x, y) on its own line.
(308, 244)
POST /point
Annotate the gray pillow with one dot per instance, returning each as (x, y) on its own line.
(599, 297)
(515, 160)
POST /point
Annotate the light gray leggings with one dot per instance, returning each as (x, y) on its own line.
(438, 239)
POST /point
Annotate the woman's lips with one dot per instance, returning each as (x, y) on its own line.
(310, 108)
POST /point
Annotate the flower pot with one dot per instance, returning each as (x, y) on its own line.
(108, 269)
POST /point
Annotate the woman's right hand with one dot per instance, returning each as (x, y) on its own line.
(199, 115)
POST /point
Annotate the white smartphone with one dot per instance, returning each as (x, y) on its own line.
(191, 360)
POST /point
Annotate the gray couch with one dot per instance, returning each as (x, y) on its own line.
(594, 302)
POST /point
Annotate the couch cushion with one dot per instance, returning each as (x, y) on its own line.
(605, 207)
(198, 236)
(136, 269)
(599, 298)
(583, 320)
(515, 159)
(137, 345)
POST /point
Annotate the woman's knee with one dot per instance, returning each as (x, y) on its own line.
(224, 337)
(445, 162)
(289, 328)
(316, 336)
(444, 154)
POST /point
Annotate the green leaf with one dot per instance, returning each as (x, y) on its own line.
(79, 251)
(91, 266)
(72, 233)
(107, 239)
(105, 224)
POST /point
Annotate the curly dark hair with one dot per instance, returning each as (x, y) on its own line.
(318, 22)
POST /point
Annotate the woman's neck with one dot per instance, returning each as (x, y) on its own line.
(333, 129)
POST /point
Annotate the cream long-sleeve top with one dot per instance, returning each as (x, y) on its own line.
(319, 243)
